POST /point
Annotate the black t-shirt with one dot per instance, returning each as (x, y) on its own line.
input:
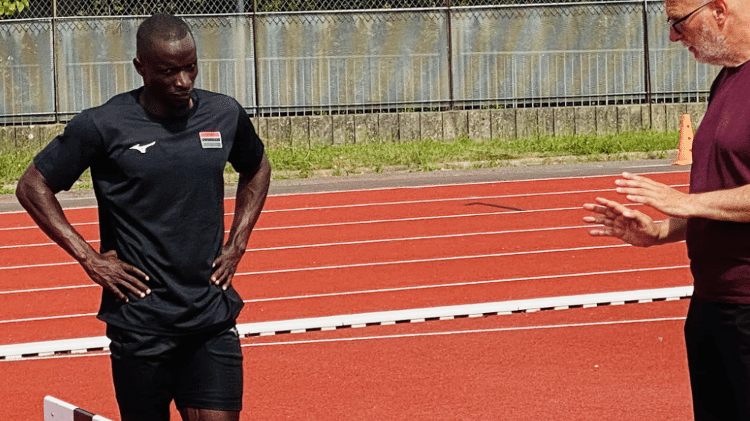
(160, 189)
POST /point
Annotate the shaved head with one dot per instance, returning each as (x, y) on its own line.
(166, 58)
(159, 27)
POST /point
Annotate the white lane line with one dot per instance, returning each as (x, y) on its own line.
(422, 218)
(374, 221)
(419, 238)
(470, 331)
(344, 266)
(348, 243)
(39, 319)
(446, 199)
(371, 221)
(469, 283)
(440, 259)
(38, 265)
(395, 203)
(101, 351)
(385, 290)
(425, 187)
(29, 227)
(360, 242)
(47, 289)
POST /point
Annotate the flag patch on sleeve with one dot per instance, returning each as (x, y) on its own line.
(211, 140)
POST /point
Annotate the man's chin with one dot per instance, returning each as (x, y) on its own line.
(180, 107)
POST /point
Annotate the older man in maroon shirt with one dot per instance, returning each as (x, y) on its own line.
(714, 217)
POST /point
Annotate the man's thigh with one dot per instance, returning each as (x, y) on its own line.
(197, 371)
(717, 336)
(141, 373)
(209, 372)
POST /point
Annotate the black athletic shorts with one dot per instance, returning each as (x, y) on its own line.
(201, 371)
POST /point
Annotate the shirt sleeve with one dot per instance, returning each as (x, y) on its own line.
(247, 148)
(68, 155)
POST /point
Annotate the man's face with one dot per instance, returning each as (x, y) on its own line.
(697, 33)
(169, 70)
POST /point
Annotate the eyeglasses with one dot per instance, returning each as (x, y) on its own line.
(674, 24)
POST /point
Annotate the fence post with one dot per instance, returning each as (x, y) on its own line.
(253, 19)
(449, 17)
(647, 60)
(55, 85)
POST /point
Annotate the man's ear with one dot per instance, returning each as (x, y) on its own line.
(138, 66)
(719, 11)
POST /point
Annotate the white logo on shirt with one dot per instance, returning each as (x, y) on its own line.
(142, 148)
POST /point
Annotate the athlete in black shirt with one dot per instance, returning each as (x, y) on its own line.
(157, 156)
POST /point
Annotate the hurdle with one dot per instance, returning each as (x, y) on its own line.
(76, 346)
(57, 410)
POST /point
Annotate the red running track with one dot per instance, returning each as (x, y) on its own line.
(316, 254)
(350, 252)
(607, 363)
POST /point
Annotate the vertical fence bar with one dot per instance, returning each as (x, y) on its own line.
(449, 18)
(647, 60)
(55, 85)
(256, 72)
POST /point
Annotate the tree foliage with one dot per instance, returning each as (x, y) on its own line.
(11, 7)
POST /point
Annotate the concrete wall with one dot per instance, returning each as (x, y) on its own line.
(404, 127)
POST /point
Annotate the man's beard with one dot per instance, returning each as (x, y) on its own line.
(711, 47)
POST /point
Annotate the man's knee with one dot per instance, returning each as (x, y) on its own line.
(195, 414)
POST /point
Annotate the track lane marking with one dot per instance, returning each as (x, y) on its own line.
(386, 204)
(440, 259)
(348, 243)
(470, 331)
(103, 352)
(431, 186)
(361, 292)
(470, 283)
(361, 264)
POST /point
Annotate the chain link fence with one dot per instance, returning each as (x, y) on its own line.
(413, 57)
(70, 8)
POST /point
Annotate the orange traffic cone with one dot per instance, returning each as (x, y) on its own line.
(685, 153)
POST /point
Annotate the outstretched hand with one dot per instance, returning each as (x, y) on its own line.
(659, 196)
(617, 220)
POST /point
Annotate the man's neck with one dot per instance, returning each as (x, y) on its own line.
(159, 109)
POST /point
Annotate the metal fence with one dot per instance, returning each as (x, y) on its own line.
(70, 8)
(366, 59)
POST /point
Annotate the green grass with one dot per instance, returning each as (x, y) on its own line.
(426, 155)
(13, 163)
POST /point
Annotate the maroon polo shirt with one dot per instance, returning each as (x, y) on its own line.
(719, 251)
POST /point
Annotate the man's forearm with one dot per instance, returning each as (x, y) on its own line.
(722, 205)
(252, 190)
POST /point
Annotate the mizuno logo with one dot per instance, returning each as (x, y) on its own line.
(142, 148)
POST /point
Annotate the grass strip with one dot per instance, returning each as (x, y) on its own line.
(426, 155)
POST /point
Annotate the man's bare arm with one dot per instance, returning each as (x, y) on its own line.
(252, 190)
(38, 198)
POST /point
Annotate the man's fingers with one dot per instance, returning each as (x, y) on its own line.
(116, 291)
(222, 276)
(601, 232)
(612, 209)
(120, 285)
(633, 179)
(224, 268)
